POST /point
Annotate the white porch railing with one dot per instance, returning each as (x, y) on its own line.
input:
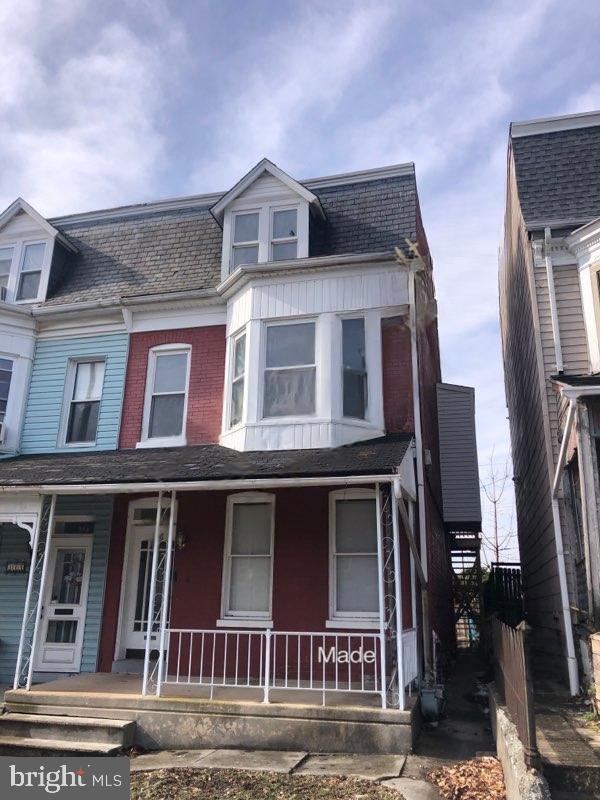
(269, 661)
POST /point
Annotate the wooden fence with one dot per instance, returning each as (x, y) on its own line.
(513, 677)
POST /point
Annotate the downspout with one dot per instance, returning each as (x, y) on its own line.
(560, 554)
(553, 307)
(416, 390)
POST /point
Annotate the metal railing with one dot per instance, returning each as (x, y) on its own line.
(513, 677)
(281, 661)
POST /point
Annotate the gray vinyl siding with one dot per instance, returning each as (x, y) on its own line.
(458, 456)
(523, 363)
(14, 547)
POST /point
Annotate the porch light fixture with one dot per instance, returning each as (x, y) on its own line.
(180, 541)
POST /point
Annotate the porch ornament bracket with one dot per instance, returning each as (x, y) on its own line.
(32, 610)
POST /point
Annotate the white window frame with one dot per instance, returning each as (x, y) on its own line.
(249, 243)
(244, 619)
(285, 239)
(264, 368)
(153, 353)
(72, 365)
(244, 377)
(265, 223)
(43, 270)
(346, 619)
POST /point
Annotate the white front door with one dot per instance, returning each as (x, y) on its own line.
(64, 605)
(136, 578)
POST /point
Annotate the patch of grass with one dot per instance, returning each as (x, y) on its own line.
(229, 784)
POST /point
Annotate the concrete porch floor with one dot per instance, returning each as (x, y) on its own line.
(186, 718)
(113, 683)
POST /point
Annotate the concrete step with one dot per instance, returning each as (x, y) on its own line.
(115, 732)
(19, 746)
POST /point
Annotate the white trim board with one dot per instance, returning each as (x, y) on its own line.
(566, 122)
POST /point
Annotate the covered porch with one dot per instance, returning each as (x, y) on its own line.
(305, 648)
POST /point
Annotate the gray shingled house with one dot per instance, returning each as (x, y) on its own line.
(550, 320)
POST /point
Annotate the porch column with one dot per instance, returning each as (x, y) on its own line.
(34, 546)
(166, 598)
(381, 592)
(152, 597)
(398, 599)
(40, 601)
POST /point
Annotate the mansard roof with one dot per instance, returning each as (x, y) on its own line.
(557, 164)
(175, 245)
(204, 462)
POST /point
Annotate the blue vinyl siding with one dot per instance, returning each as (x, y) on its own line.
(46, 392)
(14, 547)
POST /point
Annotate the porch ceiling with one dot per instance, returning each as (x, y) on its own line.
(209, 462)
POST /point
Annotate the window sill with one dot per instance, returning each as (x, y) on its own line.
(176, 441)
(244, 622)
(352, 624)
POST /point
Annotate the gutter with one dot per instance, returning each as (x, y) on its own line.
(558, 357)
(193, 486)
(416, 387)
(114, 303)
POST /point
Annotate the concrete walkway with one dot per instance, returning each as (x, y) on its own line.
(384, 769)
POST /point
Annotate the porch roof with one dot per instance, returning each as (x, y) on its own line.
(208, 462)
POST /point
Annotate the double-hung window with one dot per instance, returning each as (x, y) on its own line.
(237, 379)
(353, 554)
(248, 568)
(6, 367)
(6, 257)
(84, 386)
(354, 368)
(166, 393)
(284, 234)
(31, 271)
(290, 370)
(245, 239)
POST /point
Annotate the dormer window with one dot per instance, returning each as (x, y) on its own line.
(31, 271)
(284, 237)
(245, 239)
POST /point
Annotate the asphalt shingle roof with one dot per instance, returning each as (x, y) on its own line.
(558, 175)
(180, 250)
(204, 462)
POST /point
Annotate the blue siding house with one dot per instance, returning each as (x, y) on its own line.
(49, 392)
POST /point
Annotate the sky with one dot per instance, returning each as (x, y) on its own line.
(110, 103)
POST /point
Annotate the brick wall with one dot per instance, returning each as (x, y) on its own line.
(397, 378)
(206, 382)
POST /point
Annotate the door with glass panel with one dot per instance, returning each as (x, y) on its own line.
(64, 605)
(138, 573)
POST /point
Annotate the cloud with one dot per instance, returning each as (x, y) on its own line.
(588, 100)
(293, 77)
(82, 130)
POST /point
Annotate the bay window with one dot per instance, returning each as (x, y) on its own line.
(353, 556)
(354, 368)
(84, 387)
(166, 394)
(284, 234)
(31, 271)
(290, 370)
(248, 567)
(245, 239)
(237, 379)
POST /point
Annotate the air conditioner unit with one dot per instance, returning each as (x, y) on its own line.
(2, 432)
(3, 292)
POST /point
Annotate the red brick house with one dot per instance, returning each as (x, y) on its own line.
(281, 486)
